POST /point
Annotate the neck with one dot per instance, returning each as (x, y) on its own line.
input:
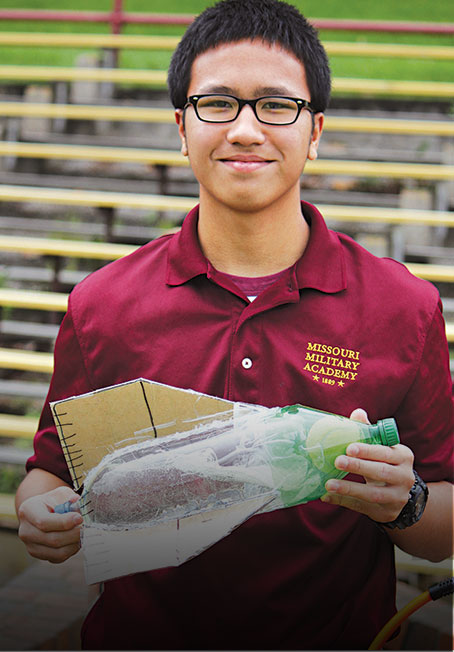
(252, 243)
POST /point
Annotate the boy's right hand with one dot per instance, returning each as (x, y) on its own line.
(47, 535)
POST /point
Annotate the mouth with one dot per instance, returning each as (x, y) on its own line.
(246, 163)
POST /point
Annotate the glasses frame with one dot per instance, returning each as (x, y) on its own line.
(301, 104)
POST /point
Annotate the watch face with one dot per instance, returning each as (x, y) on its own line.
(419, 499)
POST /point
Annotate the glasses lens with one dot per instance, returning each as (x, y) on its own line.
(277, 110)
(217, 108)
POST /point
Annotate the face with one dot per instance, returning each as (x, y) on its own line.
(245, 165)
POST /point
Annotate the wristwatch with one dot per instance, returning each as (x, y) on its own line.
(414, 508)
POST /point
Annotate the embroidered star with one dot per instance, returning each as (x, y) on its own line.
(316, 378)
(341, 383)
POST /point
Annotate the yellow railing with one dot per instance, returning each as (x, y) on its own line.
(157, 79)
(173, 158)
(140, 42)
(155, 115)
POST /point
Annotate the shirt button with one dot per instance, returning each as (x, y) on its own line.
(246, 363)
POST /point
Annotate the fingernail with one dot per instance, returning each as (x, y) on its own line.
(326, 498)
(77, 519)
(332, 485)
(341, 462)
(353, 449)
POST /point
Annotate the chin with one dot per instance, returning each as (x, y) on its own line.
(245, 206)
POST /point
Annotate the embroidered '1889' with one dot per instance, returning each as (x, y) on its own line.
(331, 364)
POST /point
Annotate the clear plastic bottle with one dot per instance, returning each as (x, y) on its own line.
(284, 455)
(304, 453)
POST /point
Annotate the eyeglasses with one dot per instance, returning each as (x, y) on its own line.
(270, 110)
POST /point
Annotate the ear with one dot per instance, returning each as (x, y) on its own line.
(316, 135)
(179, 118)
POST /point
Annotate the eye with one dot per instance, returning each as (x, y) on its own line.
(272, 105)
(277, 104)
(216, 103)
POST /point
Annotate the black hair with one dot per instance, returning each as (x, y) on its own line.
(273, 22)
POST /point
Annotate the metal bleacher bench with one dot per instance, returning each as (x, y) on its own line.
(24, 427)
(173, 158)
(157, 79)
(157, 115)
(141, 42)
(172, 203)
(110, 251)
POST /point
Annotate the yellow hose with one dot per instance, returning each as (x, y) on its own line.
(391, 626)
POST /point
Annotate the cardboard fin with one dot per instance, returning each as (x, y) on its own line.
(113, 553)
(94, 424)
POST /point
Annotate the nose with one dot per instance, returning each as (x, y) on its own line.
(246, 130)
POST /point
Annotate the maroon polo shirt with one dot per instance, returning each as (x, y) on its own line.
(338, 330)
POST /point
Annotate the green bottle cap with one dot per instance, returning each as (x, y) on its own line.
(388, 432)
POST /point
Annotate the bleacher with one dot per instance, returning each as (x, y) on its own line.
(90, 169)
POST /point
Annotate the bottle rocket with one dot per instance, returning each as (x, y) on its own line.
(285, 454)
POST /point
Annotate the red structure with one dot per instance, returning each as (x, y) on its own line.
(117, 18)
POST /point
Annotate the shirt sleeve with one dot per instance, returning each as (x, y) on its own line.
(69, 379)
(426, 416)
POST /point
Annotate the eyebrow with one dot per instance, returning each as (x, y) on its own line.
(260, 91)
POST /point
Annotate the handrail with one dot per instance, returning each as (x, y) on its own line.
(93, 153)
(341, 48)
(440, 273)
(99, 198)
(391, 87)
(403, 26)
(157, 79)
(107, 199)
(36, 361)
(7, 509)
(34, 299)
(70, 248)
(175, 159)
(112, 251)
(79, 40)
(18, 426)
(167, 116)
(117, 17)
(387, 125)
(141, 42)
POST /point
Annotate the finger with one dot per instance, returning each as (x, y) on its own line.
(369, 493)
(376, 512)
(55, 556)
(375, 471)
(360, 415)
(37, 514)
(380, 512)
(31, 535)
(39, 510)
(396, 454)
(61, 522)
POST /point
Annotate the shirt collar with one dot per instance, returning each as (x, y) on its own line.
(321, 267)
(185, 257)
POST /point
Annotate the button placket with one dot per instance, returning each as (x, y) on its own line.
(244, 381)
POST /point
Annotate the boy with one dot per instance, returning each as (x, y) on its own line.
(256, 300)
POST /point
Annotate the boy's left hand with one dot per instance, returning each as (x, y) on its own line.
(388, 474)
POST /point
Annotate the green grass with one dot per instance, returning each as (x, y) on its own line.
(365, 67)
